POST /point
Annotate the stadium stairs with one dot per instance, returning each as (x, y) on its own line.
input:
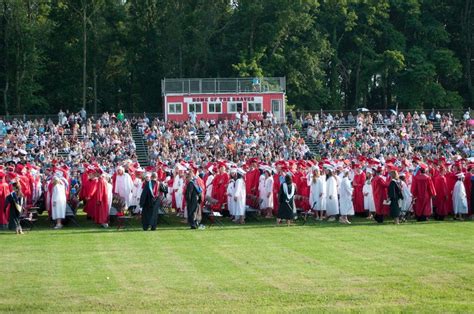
(141, 148)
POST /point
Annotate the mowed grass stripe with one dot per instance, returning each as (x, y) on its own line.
(328, 267)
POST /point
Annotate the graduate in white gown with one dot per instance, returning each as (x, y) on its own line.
(346, 207)
(239, 196)
(137, 191)
(332, 202)
(369, 203)
(267, 197)
(123, 185)
(178, 188)
(230, 193)
(460, 198)
(208, 182)
(58, 202)
(407, 197)
(261, 189)
(317, 192)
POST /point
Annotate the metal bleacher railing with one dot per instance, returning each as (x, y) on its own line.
(223, 85)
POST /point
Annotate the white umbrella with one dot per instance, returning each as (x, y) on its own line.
(393, 111)
(363, 109)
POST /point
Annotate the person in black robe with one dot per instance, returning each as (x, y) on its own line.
(12, 200)
(150, 203)
(286, 201)
(193, 198)
(395, 194)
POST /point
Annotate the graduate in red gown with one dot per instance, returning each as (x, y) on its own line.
(100, 200)
(358, 185)
(302, 187)
(4, 192)
(88, 189)
(468, 187)
(442, 194)
(219, 188)
(277, 179)
(380, 190)
(422, 190)
(251, 183)
(451, 180)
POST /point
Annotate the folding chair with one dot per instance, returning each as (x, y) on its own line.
(124, 218)
(251, 212)
(213, 216)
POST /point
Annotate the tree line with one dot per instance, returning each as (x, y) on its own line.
(335, 54)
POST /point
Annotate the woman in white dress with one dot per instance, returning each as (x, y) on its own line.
(58, 202)
(267, 197)
(230, 193)
(407, 197)
(239, 197)
(332, 203)
(317, 192)
(369, 204)
(459, 198)
(346, 205)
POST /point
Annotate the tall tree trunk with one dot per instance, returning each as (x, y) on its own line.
(5, 44)
(95, 88)
(468, 41)
(357, 82)
(84, 60)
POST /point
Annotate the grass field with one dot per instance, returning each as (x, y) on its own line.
(257, 267)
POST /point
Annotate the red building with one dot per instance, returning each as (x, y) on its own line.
(221, 98)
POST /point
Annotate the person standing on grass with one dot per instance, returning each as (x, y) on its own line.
(423, 190)
(193, 199)
(358, 185)
(230, 194)
(267, 195)
(148, 200)
(380, 190)
(123, 185)
(286, 201)
(460, 198)
(317, 194)
(395, 195)
(369, 204)
(58, 202)
(239, 196)
(442, 195)
(332, 201)
(407, 198)
(4, 192)
(346, 205)
(13, 207)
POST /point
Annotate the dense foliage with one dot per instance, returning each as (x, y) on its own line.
(338, 54)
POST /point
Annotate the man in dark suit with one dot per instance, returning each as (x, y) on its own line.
(193, 198)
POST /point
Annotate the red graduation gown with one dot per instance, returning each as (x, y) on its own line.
(468, 186)
(380, 190)
(422, 189)
(276, 189)
(251, 187)
(442, 195)
(4, 192)
(219, 190)
(451, 182)
(88, 191)
(358, 200)
(100, 202)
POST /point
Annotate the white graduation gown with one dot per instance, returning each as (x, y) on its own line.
(240, 194)
(209, 185)
(317, 193)
(369, 203)
(459, 198)
(178, 186)
(261, 190)
(346, 207)
(110, 197)
(123, 187)
(267, 193)
(136, 193)
(332, 203)
(230, 198)
(407, 197)
(58, 202)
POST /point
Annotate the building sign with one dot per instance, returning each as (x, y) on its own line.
(222, 99)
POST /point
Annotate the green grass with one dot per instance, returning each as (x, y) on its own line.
(426, 267)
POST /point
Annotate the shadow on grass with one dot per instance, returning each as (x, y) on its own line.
(173, 223)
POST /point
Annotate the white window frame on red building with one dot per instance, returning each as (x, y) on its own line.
(254, 102)
(234, 102)
(174, 104)
(214, 103)
(195, 103)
